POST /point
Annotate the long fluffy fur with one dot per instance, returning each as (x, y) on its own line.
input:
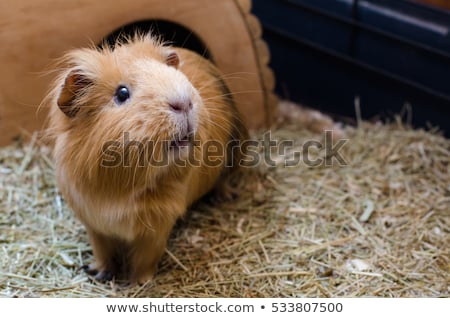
(129, 211)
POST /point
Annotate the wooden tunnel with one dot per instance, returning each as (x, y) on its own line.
(35, 33)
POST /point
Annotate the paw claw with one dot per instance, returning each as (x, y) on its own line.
(103, 276)
(89, 270)
(99, 275)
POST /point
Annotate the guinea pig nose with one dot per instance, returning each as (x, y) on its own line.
(180, 106)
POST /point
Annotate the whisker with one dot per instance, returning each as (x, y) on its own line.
(233, 94)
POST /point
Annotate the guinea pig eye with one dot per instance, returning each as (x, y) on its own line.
(122, 94)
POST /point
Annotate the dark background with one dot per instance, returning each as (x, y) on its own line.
(390, 53)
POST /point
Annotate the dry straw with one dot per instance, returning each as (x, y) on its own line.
(376, 227)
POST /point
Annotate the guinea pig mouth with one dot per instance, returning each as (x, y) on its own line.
(182, 141)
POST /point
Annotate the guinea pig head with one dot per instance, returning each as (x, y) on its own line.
(126, 112)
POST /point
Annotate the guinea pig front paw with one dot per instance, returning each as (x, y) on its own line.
(89, 269)
(104, 276)
(99, 275)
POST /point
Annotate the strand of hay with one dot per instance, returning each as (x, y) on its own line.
(378, 226)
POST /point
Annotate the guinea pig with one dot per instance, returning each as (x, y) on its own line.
(133, 128)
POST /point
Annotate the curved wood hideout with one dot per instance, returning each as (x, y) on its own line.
(35, 33)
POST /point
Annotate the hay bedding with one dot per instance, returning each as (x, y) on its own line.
(376, 227)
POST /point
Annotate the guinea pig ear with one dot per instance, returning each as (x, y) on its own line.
(172, 59)
(72, 88)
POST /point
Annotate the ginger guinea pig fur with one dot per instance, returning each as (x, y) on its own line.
(156, 106)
